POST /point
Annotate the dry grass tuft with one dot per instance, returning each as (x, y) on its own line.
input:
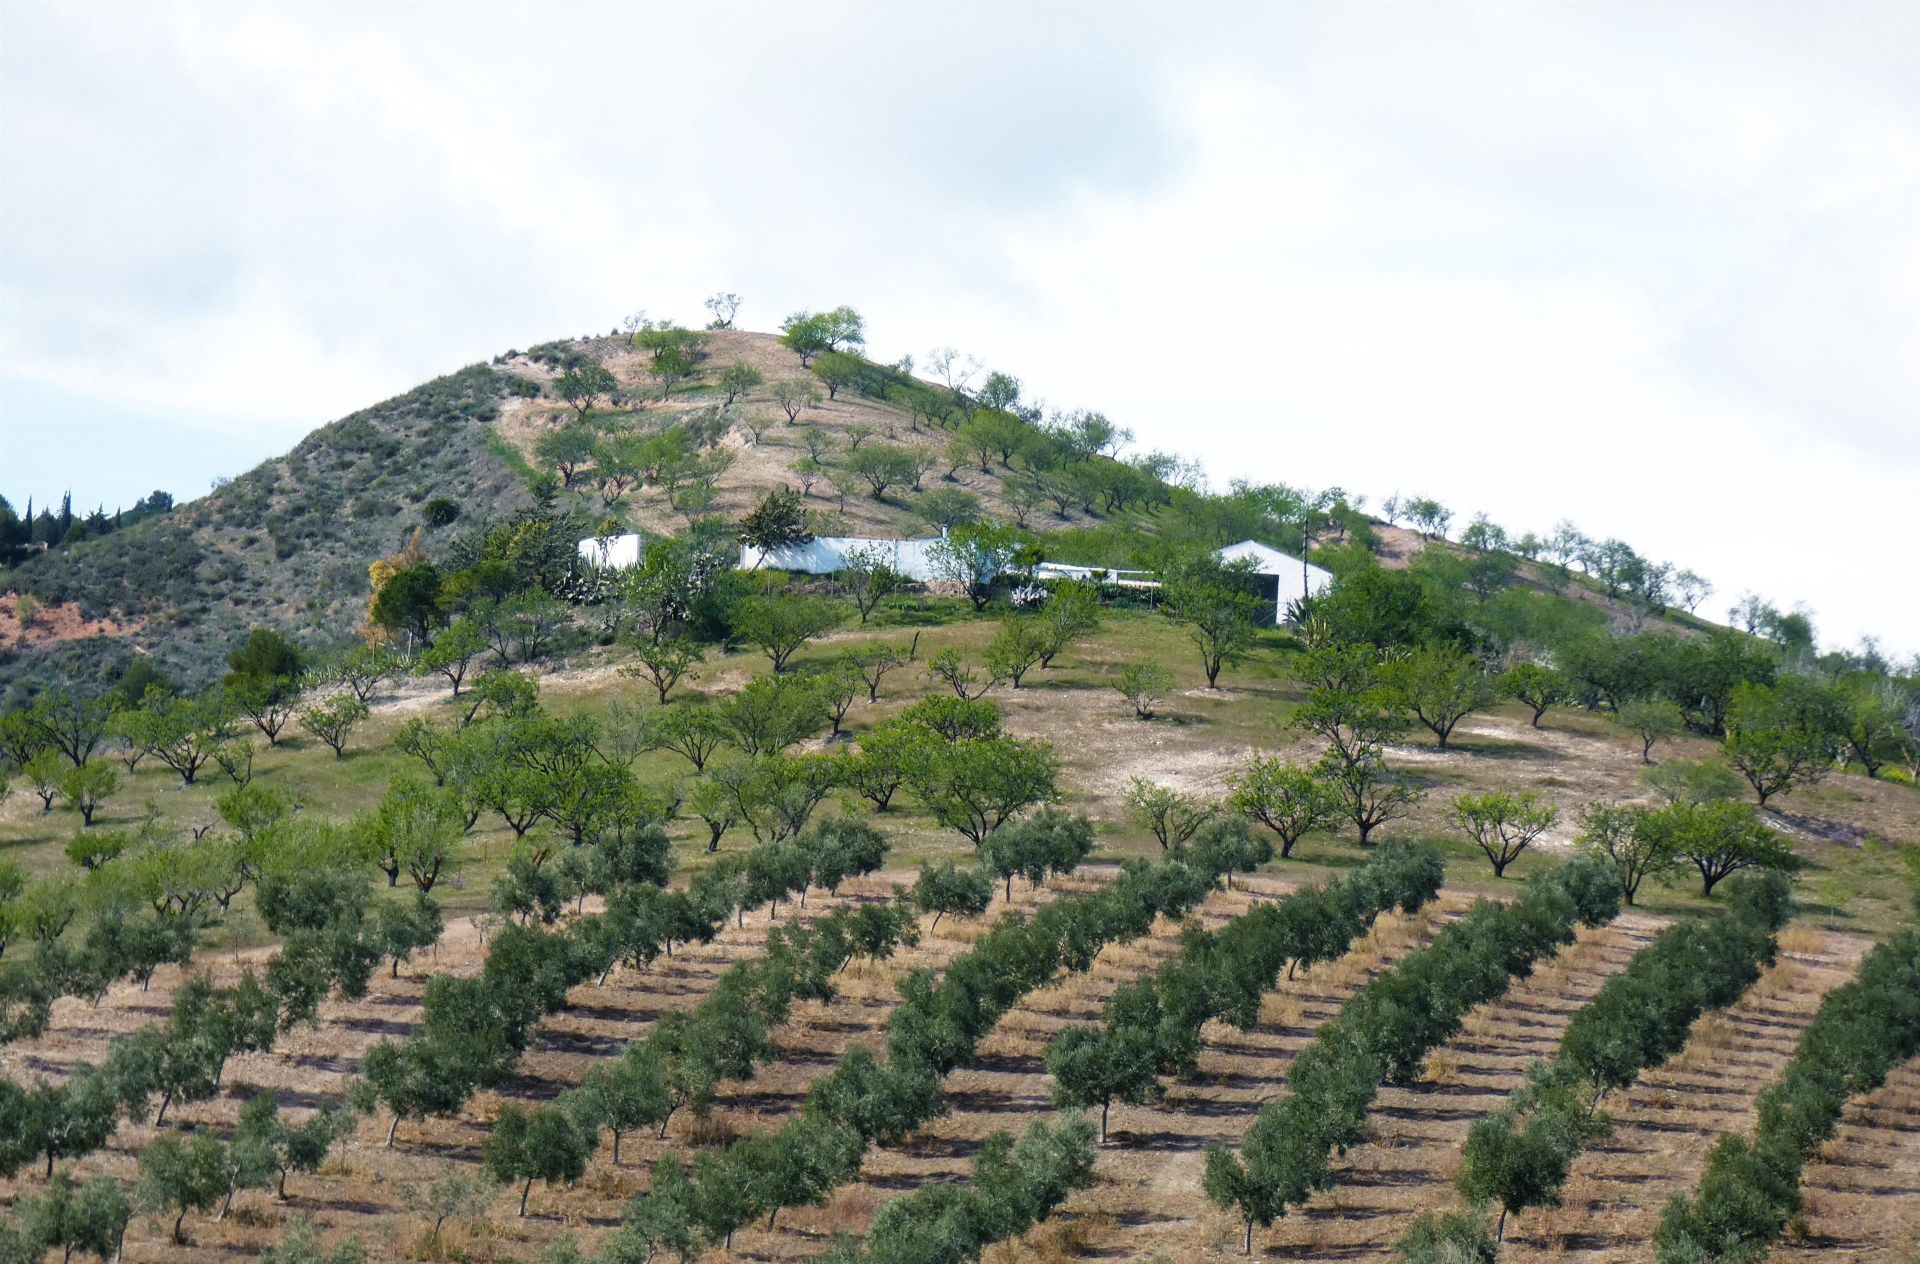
(714, 1130)
(1058, 1241)
(1279, 1009)
(1443, 1067)
(1804, 940)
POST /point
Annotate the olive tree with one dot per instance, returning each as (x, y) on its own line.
(541, 1144)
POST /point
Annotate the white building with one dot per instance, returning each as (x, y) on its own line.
(826, 554)
(1292, 576)
(616, 552)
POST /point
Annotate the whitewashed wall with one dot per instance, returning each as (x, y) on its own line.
(615, 551)
(823, 555)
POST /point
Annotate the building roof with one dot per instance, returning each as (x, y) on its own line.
(1271, 561)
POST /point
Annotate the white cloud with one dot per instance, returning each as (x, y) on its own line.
(1654, 270)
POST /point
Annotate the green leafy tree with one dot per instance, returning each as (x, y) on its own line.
(795, 396)
(69, 1217)
(973, 555)
(781, 626)
(810, 334)
(1017, 647)
(953, 671)
(691, 730)
(1170, 815)
(836, 369)
(1652, 720)
(662, 663)
(978, 785)
(946, 888)
(263, 680)
(779, 521)
(452, 652)
(623, 1095)
(1613, 832)
(1143, 685)
(773, 713)
(1048, 843)
(69, 721)
(739, 378)
(583, 385)
(334, 720)
(1347, 703)
(1718, 839)
(182, 733)
(1439, 687)
(1503, 825)
(1220, 616)
(1778, 739)
(888, 757)
(1536, 686)
(1097, 1066)
(1289, 800)
(944, 508)
(274, 1146)
(543, 1144)
(1070, 613)
(177, 1177)
(85, 788)
(1370, 793)
(410, 604)
(567, 450)
(868, 577)
(453, 1193)
(45, 773)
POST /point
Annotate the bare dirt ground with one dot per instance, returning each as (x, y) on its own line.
(49, 624)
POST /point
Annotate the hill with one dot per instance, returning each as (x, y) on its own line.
(739, 912)
(287, 544)
(284, 545)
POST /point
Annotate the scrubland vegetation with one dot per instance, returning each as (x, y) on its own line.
(418, 890)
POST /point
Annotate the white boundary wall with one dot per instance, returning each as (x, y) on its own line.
(826, 554)
(615, 552)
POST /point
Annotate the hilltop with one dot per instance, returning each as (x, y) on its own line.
(287, 545)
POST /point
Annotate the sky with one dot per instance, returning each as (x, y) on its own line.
(1653, 269)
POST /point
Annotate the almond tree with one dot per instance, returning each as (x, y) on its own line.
(1503, 825)
(1287, 799)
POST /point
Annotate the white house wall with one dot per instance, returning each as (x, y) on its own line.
(615, 551)
(824, 555)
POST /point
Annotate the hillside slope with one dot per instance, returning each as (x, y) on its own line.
(286, 544)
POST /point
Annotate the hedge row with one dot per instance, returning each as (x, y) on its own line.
(473, 1029)
(328, 944)
(1519, 1156)
(1385, 1032)
(1151, 1027)
(1752, 1188)
(935, 1029)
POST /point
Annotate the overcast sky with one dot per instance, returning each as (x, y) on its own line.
(1654, 269)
